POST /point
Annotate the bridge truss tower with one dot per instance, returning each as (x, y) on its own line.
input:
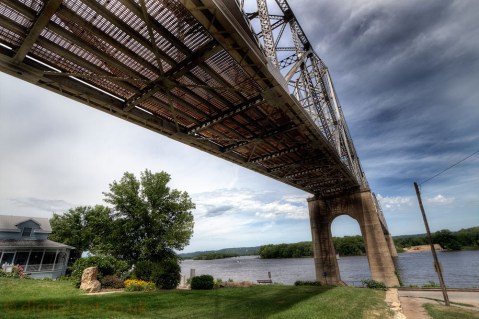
(285, 44)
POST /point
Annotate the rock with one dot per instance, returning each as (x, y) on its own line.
(88, 280)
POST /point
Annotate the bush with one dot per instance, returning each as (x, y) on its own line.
(373, 284)
(431, 284)
(107, 266)
(112, 281)
(204, 282)
(307, 283)
(165, 274)
(218, 283)
(142, 270)
(17, 272)
(139, 285)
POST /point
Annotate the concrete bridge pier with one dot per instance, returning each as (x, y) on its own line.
(360, 206)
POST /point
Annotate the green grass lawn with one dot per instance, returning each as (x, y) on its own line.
(47, 299)
(451, 312)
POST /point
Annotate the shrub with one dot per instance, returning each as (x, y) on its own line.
(165, 274)
(143, 270)
(373, 284)
(139, 285)
(307, 283)
(112, 281)
(218, 283)
(17, 272)
(107, 265)
(431, 284)
(203, 282)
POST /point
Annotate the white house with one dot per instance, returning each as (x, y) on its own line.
(23, 241)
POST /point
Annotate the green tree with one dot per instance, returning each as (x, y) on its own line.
(82, 227)
(446, 239)
(150, 220)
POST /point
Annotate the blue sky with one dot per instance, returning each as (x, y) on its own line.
(407, 77)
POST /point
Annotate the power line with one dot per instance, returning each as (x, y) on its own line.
(427, 180)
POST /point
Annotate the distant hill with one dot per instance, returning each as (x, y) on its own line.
(242, 251)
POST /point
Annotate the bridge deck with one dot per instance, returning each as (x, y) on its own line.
(187, 69)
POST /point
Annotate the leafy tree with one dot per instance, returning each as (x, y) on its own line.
(150, 220)
(349, 246)
(82, 227)
(446, 239)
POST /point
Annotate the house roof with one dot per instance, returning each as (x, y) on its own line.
(8, 222)
(46, 243)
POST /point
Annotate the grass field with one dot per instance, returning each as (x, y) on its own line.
(452, 312)
(47, 299)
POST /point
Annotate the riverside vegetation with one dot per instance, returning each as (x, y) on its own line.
(464, 239)
(354, 245)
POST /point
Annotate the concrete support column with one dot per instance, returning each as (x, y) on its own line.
(326, 264)
(377, 249)
(379, 246)
(392, 247)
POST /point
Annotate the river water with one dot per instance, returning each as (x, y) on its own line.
(460, 268)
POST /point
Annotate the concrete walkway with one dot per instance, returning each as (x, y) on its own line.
(412, 301)
(412, 307)
(392, 300)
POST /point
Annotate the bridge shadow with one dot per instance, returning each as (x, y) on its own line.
(255, 302)
(262, 302)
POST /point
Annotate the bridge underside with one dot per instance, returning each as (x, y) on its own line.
(190, 70)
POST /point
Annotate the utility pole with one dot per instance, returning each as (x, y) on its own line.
(433, 250)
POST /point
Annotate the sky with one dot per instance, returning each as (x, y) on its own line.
(407, 77)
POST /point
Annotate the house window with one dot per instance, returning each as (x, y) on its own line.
(27, 231)
(21, 258)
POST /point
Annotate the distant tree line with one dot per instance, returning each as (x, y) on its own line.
(212, 256)
(239, 251)
(296, 250)
(462, 239)
(354, 245)
(344, 246)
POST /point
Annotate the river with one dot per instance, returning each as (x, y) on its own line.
(460, 268)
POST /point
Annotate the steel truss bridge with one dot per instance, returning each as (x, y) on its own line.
(244, 86)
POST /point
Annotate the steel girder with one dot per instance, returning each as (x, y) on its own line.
(308, 78)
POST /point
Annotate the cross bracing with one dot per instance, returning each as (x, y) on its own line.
(196, 71)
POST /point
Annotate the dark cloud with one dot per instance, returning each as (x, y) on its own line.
(406, 76)
(220, 210)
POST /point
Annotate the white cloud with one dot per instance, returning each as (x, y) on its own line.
(394, 202)
(263, 205)
(440, 200)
